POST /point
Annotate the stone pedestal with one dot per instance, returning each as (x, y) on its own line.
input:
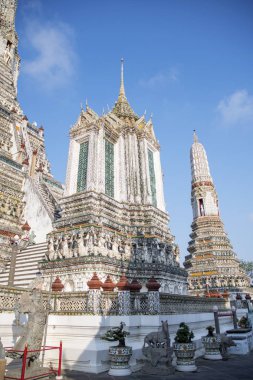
(185, 353)
(243, 339)
(120, 357)
(153, 302)
(93, 303)
(124, 302)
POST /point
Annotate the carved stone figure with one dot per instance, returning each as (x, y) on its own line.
(158, 352)
(226, 341)
(65, 247)
(128, 246)
(82, 250)
(74, 246)
(2, 352)
(50, 249)
(31, 304)
(115, 246)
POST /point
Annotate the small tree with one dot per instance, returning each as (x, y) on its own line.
(116, 334)
(184, 335)
(210, 330)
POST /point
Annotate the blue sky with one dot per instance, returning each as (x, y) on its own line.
(188, 62)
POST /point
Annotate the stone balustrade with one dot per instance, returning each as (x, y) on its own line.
(115, 303)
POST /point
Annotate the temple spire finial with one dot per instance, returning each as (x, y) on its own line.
(122, 87)
(195, 137)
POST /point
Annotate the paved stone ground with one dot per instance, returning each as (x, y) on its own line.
(235, 368)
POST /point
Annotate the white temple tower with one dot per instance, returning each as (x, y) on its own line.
(212, 263)
(113, 211)
(28, 191)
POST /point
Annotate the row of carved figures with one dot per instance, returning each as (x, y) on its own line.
(217, 282)
(100, 242)
(83, 243)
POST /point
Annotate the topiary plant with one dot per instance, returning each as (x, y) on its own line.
(210, 330)
(183, 334)
(116, 334)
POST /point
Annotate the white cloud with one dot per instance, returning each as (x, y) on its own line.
(160, 79)
(236, 108)
(53, 64)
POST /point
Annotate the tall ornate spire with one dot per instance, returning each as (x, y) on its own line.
(204, 197)
(199, 163)
(122, 108)
(211, 261)
(122, 87)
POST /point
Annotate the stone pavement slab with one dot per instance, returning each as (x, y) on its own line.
(235, 368)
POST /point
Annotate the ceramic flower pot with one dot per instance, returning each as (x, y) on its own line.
(120, 357)
(185, 353)
(212, 347)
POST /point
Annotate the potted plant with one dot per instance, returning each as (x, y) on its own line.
(120, 354)
(184, 349)
(212, 344)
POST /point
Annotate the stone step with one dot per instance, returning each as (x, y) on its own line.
(26, 265)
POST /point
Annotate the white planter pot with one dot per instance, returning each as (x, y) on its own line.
(212, 347)
(120, 357)
(185, 353)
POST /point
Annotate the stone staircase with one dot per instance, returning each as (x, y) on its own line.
(47, 198)
(26, 265)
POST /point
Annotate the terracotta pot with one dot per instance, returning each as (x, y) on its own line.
(123, 283)
(94, 282)
(153, 285)
(135, 286)
(57, 285)
(108, 285)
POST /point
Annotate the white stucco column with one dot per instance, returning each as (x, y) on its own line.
(72, 168)
(92, 162)
(143, 171)
(101, 161)
(129, 168)
(137, 173)
(159, 181)
(120, 171)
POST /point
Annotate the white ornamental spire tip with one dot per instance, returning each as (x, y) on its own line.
(122, 87)
(195, 137)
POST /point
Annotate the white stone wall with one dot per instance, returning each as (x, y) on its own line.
(83, 349)
(35, 213)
